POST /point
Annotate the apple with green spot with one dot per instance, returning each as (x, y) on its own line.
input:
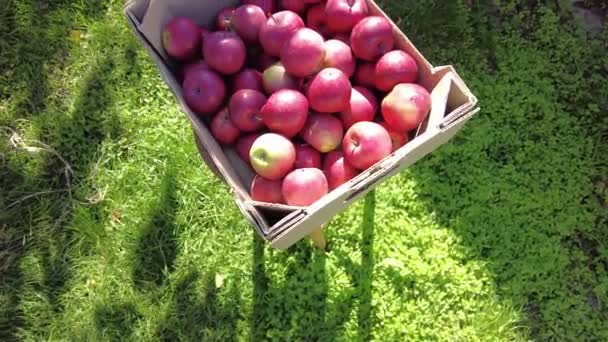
(272, 156)
(323, 132)
(406, 106)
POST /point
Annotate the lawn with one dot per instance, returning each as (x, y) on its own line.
(111, 227)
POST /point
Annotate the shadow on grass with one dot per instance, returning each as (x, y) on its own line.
(36, 33)
(202, 311)
(34, 47)
(300, 302)
(77, 139)
(45, 222)
(115, 322)
(361, 276)
(364, 314)
(156, 250)
(260, 288)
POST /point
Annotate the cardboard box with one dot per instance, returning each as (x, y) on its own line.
(452, 105)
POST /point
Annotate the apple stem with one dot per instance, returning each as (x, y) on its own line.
(275, 19)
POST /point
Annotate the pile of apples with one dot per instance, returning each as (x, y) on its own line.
(310, 93)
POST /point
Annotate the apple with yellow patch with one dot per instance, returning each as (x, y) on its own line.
(406, 106)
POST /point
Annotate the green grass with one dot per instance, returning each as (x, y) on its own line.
(498, 235)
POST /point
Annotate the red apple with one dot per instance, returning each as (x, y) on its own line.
(189, 67)
(247, 21)
(277, 29)
(406, 106)
(272, 156)
(276, 78)
(223, 22)
(398, 139)
(265, 190)
(371, 38)
(343, 15)
(323, 132)
(285, 112)
(306, 156)
(364, 76)
(268, 6)
(365, 144)
(303, 187)
(224, 51)
(393, 68)
(317, 20)
(243, 145)
(245, 107)
(223, 129)
(204, 90)
(247, 79)
(338, 55)
(181, 38)
(303, 53)
(363, 107)
(264, 61)
(337, 170)
(329, 91)
(297, 6)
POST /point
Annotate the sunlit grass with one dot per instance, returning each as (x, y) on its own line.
(496, 236)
